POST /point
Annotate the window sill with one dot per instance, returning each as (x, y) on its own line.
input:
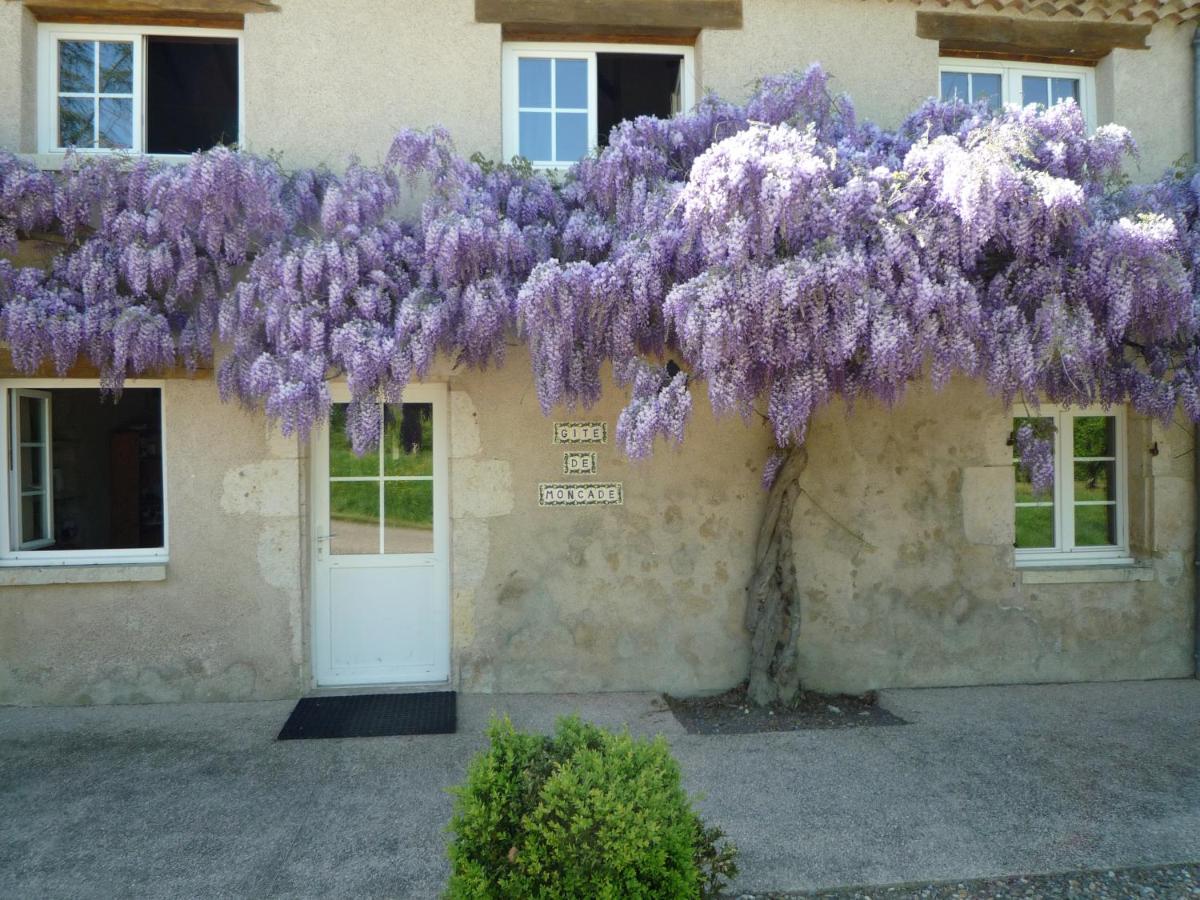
(1115, 572)
(101, 573)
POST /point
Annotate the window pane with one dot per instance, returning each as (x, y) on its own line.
(191, 94)
(986, 86)
(408, 439)
(33, 465)
(533, 82)
(1095, 481)
(116, 67)
(570, 83)
(408, 506)
(1095, 526)
(76, 67)
(33, 518)
(342, 460)
(1095, 435)
(535, 136)
(353, 517)
(1064, 89)
(116, 123)
(1034, 89)
(31, 420)
(76, 122)
(954, 84)
(572, 137)
(1035, 527)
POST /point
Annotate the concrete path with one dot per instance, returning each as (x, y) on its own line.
(199, 800)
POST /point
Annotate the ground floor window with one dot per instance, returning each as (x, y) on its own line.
(1083, 518)
(85, 474)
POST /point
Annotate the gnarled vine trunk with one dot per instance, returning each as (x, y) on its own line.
(772, 597)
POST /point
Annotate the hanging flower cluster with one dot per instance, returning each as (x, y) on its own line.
(781, 251)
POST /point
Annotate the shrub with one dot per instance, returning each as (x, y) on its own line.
(584, 813)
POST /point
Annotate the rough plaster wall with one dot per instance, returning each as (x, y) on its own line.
(18, 50)
(323, 84)
(781, 35)
(646, 595)
(1152, 97)
(223, 626)
(904, 546)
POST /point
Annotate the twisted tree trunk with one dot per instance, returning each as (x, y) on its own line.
(772, 597)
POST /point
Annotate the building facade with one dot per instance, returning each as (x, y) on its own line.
(172, 547)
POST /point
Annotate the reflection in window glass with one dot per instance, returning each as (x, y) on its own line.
(986, 86)
(353, 517)
(408, 511)
(1064, 89)
(972, 87)
(956, 86)
(382, 502)
(95, 94)
(570, 84)
(408, 439)
(342, 460)
(1035, 89)
(533, 76)
(535, 135)
(1035, 512)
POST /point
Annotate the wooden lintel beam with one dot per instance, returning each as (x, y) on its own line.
(598, 15)
(198, 13)
(1012, 37)
(524, 31)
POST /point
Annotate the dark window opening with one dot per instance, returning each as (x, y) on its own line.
(97, 483)
(635, 84)
(191, 94)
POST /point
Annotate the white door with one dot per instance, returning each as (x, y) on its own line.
(381, 572)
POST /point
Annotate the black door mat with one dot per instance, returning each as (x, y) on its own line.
(371, 715)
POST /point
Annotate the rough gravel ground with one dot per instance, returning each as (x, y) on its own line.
(1156, 881)
(733, 713)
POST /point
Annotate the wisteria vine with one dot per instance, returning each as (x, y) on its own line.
(780, 252)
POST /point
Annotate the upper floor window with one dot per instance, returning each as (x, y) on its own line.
(1084, 518)
(1021, 83)
(561, 101)
(138, 89)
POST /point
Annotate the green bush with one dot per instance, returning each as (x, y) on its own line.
(585, 813)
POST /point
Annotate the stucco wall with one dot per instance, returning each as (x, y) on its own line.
(323, 83)
(18, 77)
(1150, 93)
(645, 595)
(224, 625)
(870, 49)
(903, 539)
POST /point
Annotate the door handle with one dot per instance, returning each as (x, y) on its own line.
(326, 537)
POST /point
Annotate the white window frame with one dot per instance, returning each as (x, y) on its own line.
(1010, 79)
(16, 469)
(514, 51)
(1064, 552)
(51, 33)
(30, 557)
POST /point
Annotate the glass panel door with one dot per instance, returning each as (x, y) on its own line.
(383, 502)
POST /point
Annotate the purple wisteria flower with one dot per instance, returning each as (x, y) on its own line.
(778, 250)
